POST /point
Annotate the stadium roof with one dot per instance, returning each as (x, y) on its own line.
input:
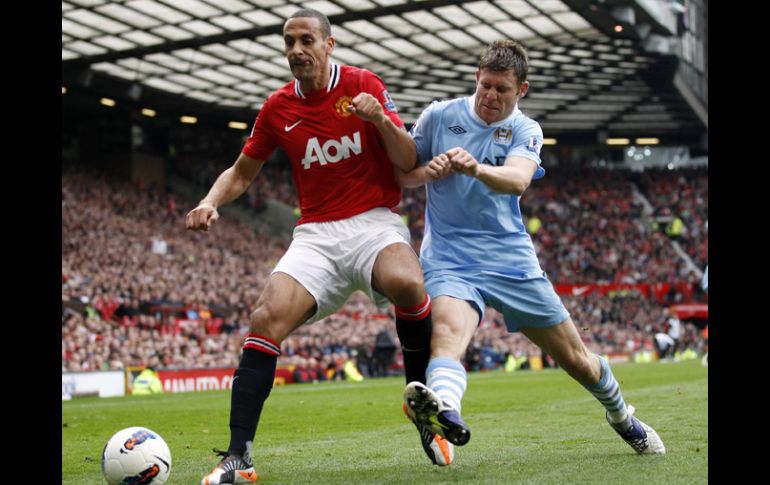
(228, 55)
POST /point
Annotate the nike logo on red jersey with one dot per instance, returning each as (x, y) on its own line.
(288, 128)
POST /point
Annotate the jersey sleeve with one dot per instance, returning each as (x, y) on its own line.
(261, 142)
(372, 84)
(422, 133)
(527, 143)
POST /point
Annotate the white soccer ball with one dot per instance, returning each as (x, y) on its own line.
(135, 456)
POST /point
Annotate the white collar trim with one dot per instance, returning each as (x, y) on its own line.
(334, 80)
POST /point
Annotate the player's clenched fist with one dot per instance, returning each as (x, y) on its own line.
(201, 218)
(463, 161)
(439, 167)
(366, 107)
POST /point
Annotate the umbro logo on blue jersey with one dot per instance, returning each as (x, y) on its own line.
(457, 130)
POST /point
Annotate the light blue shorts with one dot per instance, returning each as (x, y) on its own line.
(530, 302)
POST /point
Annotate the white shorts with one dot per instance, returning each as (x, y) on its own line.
(334, 259)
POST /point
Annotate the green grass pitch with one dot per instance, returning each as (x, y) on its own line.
(527, 427)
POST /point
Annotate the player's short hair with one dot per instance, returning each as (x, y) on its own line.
(326, 27)
(502, 55)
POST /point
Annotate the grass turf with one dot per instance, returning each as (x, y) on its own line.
(527, 427)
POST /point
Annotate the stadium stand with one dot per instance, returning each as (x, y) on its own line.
(132, 294)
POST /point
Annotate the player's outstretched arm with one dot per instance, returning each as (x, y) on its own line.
(398, 143)
(512, 178)
(229, 185)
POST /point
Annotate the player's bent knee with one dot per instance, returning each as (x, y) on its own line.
(413, 284)
(406, 290)
(447, 331)
(264, 321)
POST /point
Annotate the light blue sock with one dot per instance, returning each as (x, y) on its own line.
(448, 379)
(607, 391)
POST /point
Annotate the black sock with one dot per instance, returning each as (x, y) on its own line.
(414, 328)
(252, 383)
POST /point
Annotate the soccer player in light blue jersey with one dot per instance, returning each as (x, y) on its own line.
(477, 155)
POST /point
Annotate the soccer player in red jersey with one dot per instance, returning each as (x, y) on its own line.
(339, 127)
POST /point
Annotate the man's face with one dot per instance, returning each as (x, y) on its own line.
(497, 93)
(306, 49)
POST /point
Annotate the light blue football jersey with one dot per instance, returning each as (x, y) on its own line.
(467, 224)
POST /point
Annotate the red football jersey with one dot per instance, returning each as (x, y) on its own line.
(339, 162)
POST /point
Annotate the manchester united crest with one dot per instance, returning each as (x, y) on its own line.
(341, 106)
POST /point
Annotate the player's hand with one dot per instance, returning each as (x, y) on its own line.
(463, 161)
(439, 167)
(202, 217)
(367, 107)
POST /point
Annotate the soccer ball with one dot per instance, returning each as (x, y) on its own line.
(136, 456)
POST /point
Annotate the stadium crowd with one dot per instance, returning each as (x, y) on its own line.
(684, 196)
(592, 230)
(132, 293)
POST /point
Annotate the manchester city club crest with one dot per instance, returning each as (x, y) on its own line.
(504, 134)
(341, 106)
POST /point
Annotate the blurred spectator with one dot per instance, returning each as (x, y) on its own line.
(301, 371)
(664, 344)
(384, 353)
(146, 383)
